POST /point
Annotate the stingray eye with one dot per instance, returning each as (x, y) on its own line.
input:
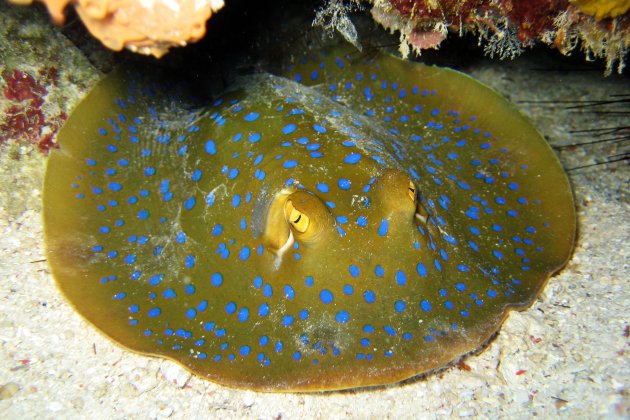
(412, 191)
(299, 221)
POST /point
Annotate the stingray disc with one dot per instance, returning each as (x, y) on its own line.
(372, 226)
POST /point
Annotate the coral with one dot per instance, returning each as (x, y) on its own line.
(24, 118)
(506, 27)
(333, 16)
(42, 77)
(602, 9)
(148, 27)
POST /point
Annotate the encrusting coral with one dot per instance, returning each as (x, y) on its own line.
(601, 28)
(148, 27)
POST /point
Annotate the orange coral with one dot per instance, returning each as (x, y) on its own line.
(143, 26)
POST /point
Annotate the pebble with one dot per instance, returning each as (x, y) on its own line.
(174, 374)
(54, 406)
(248, 399)
(521, 396)
(141, 380)
(8, 390)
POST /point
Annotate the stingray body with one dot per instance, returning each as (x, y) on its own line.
(359, 222)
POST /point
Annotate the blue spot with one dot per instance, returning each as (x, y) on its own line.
(289, 128)
(321, 187)
(267, 290)
(354, 271)
(217, 229)
(236, 200)
(369, 296)
(352, 158)
(254, 137)
(342, 317)
(421, 269)
(497, 254)
(287, 320)
(401, 278)
(153, 312)
(244, 255)
(389, 330)
(383, 228)
(252, 116)
(189, 204)
(290, 164)
(189, 261)
(115, 186)
(233, 173)
(319, 128)
(379, 270)
(326, 296)
(263, 310)
(211, 147)
(348, 289)
(191, 313)
(344, 183)
(143, 214)
(243, 314)
(399, 306)
(244, 350)
(425, 305)
(196, 175)
(230, 308)
(190, 289)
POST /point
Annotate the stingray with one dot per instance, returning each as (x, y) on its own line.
(357, 221)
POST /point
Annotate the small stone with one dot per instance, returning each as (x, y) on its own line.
(165, 412)
(54, 406)
(248, 399)
(175, 374)
(521, 396)
(8, 390)
(78, 403)
(141, 380)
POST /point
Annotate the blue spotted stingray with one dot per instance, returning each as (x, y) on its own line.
(357, 222)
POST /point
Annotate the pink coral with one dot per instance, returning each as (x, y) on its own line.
(24, 118)
(506, 26)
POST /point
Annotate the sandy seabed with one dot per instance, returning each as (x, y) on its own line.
(566, 356)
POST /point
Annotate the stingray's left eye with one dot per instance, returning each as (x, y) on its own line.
(411, 191)
(298, 220)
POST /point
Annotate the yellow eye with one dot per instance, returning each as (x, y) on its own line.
(412, 191)
(298, 220)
